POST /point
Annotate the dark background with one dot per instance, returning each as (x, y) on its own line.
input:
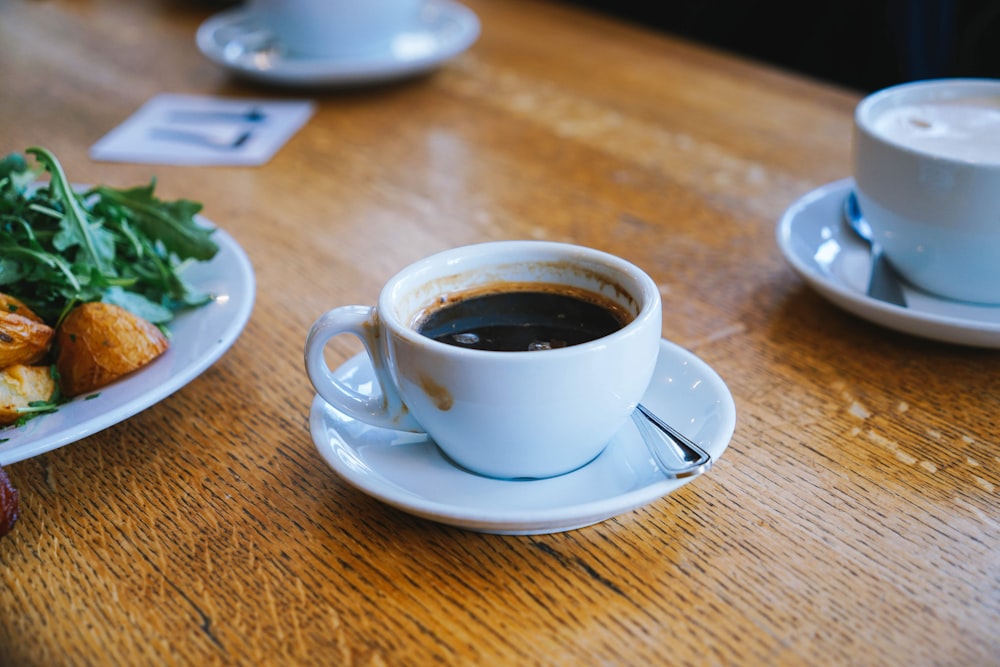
(861, 44)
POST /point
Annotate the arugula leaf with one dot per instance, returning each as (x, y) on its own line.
(138, 304)
(59, 247)
(13, 163)
(77, 229)
(171, 222)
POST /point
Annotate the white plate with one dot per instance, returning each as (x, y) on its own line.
(408, 471)
(822, 249)
(198, 338)
(444, 30)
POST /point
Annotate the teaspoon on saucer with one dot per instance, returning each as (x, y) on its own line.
(677, 455)
(884, 283)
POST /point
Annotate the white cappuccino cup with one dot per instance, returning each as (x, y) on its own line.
(927, 171)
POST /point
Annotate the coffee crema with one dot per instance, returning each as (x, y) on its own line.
(522, 317)
(964, 128)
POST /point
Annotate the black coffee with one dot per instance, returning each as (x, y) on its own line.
(523, 320)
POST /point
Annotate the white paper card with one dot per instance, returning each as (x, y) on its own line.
(197, 130)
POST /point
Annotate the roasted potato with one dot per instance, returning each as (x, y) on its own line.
(24, 337)
(97, 343)
(21, 385)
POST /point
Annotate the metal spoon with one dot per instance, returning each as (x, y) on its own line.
(677, 455)
(201, 138)
(249, 45)
(252, 115)
(884, 282)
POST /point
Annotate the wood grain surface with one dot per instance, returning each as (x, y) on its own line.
(853, 520)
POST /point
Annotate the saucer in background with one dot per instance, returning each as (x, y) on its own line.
(821, 248)
(443, 30)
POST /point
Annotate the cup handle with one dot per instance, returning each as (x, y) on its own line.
(386, 408)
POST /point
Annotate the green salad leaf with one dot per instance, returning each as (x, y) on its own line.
(60, 246)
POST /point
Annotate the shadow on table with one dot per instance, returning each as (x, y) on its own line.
(821, 335)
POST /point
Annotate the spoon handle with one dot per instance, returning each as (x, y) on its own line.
(200, 139)
(883, 283)
(676, 455)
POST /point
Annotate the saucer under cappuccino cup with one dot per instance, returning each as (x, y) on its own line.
(335, 28)
(927, 174)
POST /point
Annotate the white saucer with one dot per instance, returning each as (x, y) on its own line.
(444, 29)
(823, 250)
(407, 470)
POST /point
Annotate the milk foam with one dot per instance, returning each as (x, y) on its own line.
(965, 129)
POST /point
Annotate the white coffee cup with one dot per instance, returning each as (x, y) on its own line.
(927, 170)
(335, 28)
(506, 414)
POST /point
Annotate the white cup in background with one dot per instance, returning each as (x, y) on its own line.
(335, 28)
(506, 414)
(927, 170)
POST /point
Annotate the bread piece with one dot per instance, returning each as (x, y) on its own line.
(97, 343)
(21, 385)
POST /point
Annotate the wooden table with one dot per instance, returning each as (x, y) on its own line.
(853, 520)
